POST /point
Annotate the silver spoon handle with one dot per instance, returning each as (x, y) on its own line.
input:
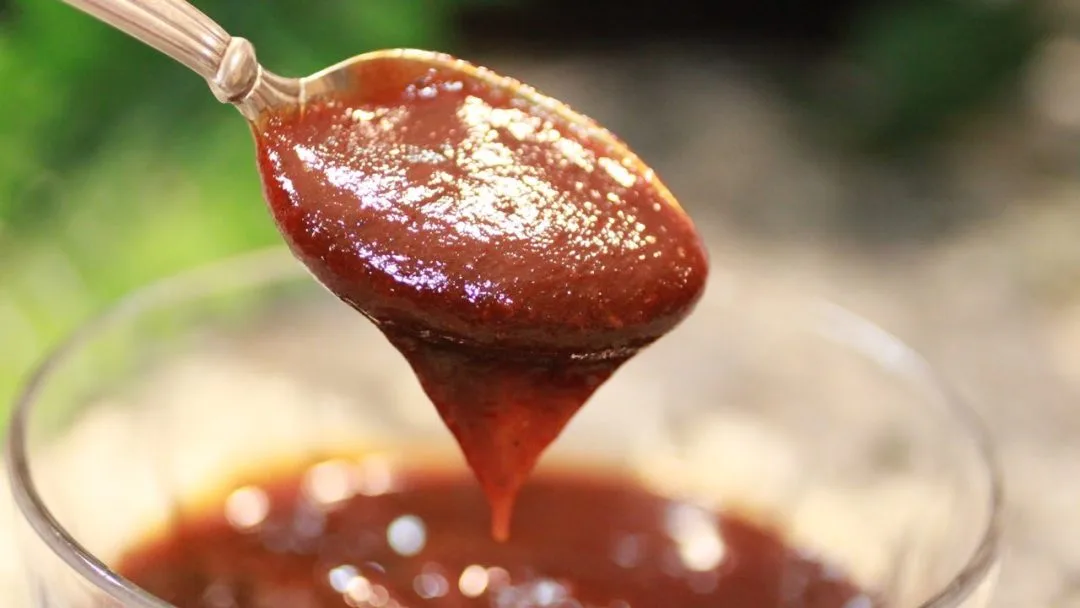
(184, 33)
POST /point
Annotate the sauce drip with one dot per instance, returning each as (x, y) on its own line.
(514, 253)
(582, 542)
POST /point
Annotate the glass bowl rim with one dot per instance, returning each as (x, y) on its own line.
(265, 266)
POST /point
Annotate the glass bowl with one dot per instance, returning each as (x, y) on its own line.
(766, 402)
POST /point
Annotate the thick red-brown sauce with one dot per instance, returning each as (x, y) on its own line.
(516, 257)
(424, 540)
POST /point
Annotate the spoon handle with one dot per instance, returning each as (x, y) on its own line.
(183, 32)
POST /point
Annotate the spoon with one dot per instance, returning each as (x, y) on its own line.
(234, 75)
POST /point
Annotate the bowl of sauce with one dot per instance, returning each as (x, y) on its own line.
(260, 444)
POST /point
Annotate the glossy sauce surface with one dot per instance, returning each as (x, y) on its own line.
(515, 254)
(423, 540)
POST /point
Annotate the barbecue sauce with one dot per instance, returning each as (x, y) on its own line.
(420, 538)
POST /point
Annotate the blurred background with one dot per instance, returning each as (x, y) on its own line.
(916, 160)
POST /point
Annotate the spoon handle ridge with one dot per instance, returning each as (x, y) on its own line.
(183, 32)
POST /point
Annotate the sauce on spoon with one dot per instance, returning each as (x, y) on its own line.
(514, 252)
